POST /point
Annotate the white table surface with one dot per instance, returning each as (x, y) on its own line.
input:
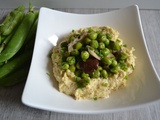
(11, 107)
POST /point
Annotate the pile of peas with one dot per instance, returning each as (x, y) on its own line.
(102, 45)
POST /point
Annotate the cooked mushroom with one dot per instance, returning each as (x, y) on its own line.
(90, 65)
(93, 53)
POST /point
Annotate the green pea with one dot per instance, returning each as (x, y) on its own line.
(71, 60)
(93, 35)
(99, 68)
(102, 38)
(75, 52)
(104, 74)
(121, 61)
(114, 63)
(71, 38)
(122, 56)
(105, 51)
(91, 48)
(77, 65)
(87, 41)
(107, 61)
(116, 46)
(123, 66)
(83, 48)
(109, 36)
(94, 44)
(62, 51)
(96, 74)
(64, 44)
(65, 66)
(66, 54)
(97, 52)
(72, 68)
(84, 55)
(78, 73)
(100, 34)
(78, 45)
(63, 59)
(101, 45)
(90, 30)
(106, 42)
(84, 75)
(114, 69)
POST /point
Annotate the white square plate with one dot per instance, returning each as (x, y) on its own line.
(41, 92)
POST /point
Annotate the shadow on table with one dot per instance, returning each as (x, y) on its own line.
(11, 95)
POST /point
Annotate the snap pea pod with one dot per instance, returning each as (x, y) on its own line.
(12, 20)
(14, 64)
(29, 42)
(5, 42)
(33, 29)
(18, 38)
(15, 77)
(1, 64)
(2, 38)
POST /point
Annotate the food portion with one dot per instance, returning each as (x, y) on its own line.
(92, 62)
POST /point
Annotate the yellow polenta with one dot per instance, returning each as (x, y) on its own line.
(114, 63)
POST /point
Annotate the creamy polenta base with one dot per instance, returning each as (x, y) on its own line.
(109, 72)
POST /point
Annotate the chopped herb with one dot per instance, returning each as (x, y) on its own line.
(73, 31)
(91, 48)
(97, 52)
(95, 98)
(48, 74)
(118, 40)
(55, 54)
(75, 78)
(50, 54)
(106, 84)
(62, 51)
(132, 66)
(126, 77)
(123, 65)
(81, 82)
(124, 45)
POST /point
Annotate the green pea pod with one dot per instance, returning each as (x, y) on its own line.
(15, 77)
(18, 38)
(5, 42)
(12, 21)
(33, 30)
(0, 39)
(14, 64)
(29, 42)
(1, 64)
